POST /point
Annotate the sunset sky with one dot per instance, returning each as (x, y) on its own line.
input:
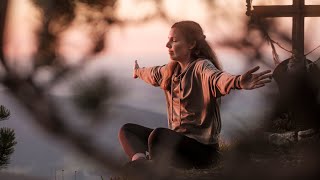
(146, 43)
(135, 40)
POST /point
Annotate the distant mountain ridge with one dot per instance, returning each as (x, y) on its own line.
(129, 114)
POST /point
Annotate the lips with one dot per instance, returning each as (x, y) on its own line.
(170, 52)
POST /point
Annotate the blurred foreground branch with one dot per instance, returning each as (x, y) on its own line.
(57, 17)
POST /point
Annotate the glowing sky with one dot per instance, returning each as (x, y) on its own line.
(150, 38)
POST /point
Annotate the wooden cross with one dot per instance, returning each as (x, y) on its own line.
(298, 10)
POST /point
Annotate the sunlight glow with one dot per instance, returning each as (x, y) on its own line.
(223, 20)
(134, 9)
(18, 33)
(19, 40)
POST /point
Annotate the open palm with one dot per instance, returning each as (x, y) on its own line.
(249, 80)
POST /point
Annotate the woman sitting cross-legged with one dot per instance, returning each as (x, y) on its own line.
(193, 82)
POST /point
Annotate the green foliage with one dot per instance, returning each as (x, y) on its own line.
(4, 113)
(7, 143)
(7, 139)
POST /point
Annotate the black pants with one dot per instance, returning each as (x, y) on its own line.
(167, 146)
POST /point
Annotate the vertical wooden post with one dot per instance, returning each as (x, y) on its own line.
(297, 92)
(298, 29)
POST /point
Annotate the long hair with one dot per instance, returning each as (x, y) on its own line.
(192, 32)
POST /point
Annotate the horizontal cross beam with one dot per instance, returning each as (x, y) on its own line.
(286, 11)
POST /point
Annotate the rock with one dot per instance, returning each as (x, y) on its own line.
(281, 139)
(292, 137)
(306, 134)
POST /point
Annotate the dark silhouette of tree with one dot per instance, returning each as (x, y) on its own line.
(3, 11)
(7, 135)
(7, 139)
(58, 15)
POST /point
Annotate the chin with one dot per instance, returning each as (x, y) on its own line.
(173, 58)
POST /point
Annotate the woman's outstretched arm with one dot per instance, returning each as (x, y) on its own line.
(249, 80)
(220, 83)
(151, 75)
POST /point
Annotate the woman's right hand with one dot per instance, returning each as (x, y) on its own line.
(251, 80)
(136, 66)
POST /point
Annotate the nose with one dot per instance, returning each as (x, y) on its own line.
(168, 45)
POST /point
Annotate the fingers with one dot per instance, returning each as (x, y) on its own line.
(253, 70)
(265, 81)
(259, 79)
(258, 86)
(261, 83)
(266, 76)
(263, 73)
(136, 65)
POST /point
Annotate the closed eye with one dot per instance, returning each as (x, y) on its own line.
(172, 39)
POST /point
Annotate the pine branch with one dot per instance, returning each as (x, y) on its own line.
(4, 113)
(7, 143)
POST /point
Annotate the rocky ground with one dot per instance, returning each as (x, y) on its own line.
(274, 156)
(262, 156)
(10, 176)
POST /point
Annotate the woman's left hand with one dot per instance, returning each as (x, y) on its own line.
(249, 80)
(135, 67)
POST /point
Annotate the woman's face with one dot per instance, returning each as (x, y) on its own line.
(179, 49)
